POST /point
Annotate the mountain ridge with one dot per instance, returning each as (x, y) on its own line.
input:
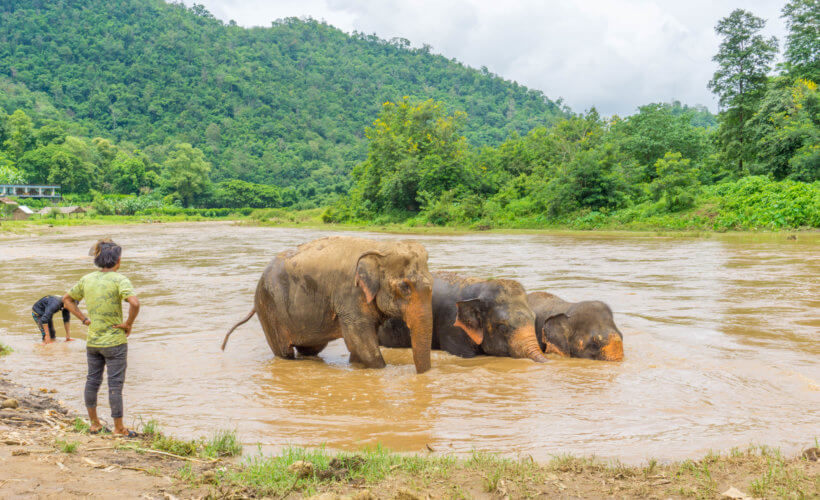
(285, 105)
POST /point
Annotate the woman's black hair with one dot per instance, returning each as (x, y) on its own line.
(107, 254)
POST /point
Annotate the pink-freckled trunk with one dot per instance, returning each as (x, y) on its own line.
(419, 319)
(524, 344)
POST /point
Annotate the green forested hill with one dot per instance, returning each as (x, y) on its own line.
(285, 105)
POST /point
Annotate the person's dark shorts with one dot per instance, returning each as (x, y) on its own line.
(51, 331)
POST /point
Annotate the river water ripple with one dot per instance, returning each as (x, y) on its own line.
(721, 335)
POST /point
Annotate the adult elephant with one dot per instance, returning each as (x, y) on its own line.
(342, 287)
(576, 329)
(475, 316)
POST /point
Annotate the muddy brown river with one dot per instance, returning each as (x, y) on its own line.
(721, 334)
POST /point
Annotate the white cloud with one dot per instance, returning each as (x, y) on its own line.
(612, 54)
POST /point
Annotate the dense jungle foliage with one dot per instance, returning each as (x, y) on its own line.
(760, 167)
(141, 106)
(284, 105)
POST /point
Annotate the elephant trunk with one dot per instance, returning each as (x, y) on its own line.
(524, 344)
(614, 350)
(418, 316)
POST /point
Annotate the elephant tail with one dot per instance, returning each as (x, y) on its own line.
(241, 322)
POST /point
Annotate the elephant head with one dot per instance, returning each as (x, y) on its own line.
(396, 281)
(583, 330)
(499, 320)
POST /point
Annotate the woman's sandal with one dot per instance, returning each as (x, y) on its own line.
(130, 434)
(101, 430)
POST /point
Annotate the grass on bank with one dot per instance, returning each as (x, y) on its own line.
(274, 475)
(4, 349)
(66, 446)
(757, 471)
(80, 426)
(223, 443)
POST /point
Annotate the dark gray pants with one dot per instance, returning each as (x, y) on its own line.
(116, 359)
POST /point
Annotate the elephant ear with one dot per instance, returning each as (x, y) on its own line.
(555, 334)
(367, 274)
(468, 318)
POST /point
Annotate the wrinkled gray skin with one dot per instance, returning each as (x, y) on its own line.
(576, 329)
(473, 317)
(342, 287)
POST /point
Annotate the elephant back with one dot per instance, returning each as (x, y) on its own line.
(340, 254)
(545, 305)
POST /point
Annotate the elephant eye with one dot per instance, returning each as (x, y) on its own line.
(403, 287)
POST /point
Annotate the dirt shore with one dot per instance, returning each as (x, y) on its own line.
(42, 456)
(45, 453)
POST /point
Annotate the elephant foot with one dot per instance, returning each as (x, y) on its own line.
(375, 362)
(286, 353)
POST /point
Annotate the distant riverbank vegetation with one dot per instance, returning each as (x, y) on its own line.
(450, 146)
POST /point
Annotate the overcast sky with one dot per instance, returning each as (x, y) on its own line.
(611, 54)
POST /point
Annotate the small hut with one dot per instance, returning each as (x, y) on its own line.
(74, 210)
(66, 211)
(22, 212)
(7, 208)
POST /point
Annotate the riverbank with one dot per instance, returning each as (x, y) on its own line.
(311, 219)
(749, 204)
(46, 451)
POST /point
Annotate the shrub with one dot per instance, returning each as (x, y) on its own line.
(758, 202)
(676, 183)
(240, 194)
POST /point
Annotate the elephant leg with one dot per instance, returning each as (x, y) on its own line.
(276, 333)
(310, 350)
(394, 333)
(363, 343)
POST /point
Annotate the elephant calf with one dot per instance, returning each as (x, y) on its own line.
(576, 329)
(343, 287)
(474, 316)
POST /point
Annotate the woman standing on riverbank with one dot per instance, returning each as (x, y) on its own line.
(107, 341)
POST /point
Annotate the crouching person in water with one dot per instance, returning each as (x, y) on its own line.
(43, 312)
(107, 342)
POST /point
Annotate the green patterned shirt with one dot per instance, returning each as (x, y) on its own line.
(103, 293)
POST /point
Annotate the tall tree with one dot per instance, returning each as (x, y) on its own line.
(416, 152)
(744, 59)
(786, 129)
(656, 130)
(185, 173)
(20, 134)
(802, 52)
(8, 173)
